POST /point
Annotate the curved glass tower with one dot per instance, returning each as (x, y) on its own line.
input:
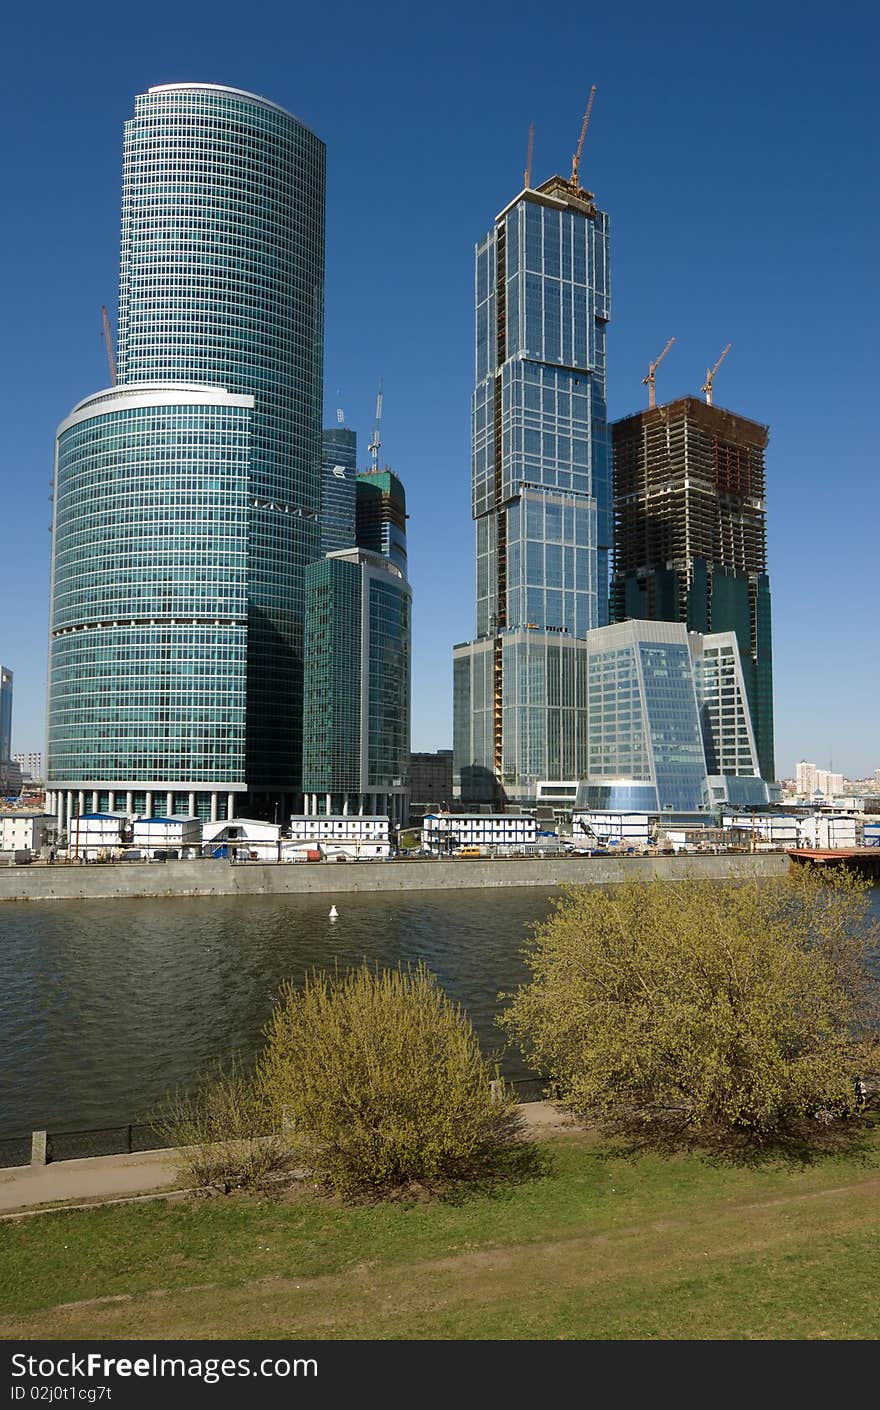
(149, 633)
(221, 286)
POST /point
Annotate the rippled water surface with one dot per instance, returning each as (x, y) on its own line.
(107, 1004)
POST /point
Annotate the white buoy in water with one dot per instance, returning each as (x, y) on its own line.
(333, 913)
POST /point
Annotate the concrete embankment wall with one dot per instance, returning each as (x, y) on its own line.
(209, 877)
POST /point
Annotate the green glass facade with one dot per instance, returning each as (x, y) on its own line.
(222, 281)
(357, 685)
(188, 496)
(148, 632)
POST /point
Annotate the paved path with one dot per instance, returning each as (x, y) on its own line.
(107, 1177)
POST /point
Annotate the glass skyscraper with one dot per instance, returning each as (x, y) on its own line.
(541, 494)
(338, 479)
(5, 715)
(213, 434)
(357, 689)
(690, 535)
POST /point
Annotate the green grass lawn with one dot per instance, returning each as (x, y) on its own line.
(602, 1245)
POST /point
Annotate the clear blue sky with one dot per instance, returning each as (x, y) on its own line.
(735, 147)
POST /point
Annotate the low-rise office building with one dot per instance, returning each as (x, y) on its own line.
(20, 832)
(829, 831)
(244, 839)
(346, 835)
(152, 835)
(447, 832)
(93, 835)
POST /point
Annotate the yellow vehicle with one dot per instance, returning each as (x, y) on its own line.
(469, 852)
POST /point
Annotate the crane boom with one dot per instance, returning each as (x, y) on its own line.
(576, 159)
(652, 369)
(108, 339)
(710, 376)
(527, 174)
(375, 443)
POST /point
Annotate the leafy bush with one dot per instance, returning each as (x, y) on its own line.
(225, 1132)
(381, 1079)
(718, 1006)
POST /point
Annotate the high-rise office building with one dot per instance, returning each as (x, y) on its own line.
(338, 491)
(5, 714)
(669, 725)
(187, 496)
(357, 686)
(690, 535)
(380, 503)
(541, 494)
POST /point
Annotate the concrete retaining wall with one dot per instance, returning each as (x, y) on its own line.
(209, 877)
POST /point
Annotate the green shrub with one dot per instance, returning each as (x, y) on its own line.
(380, 1078)
(225, 1133)
(717, 1006)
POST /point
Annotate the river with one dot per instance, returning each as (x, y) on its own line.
(108, 1004)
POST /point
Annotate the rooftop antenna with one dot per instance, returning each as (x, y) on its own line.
(340, 414)
(652, 368)
(576, 159)
(375, 443)
(527, 174)
(108, 339)
(710, 376)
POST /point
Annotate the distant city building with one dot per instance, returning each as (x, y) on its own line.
(690, 535)
(806, 776)
(5, 714)
(380, 512)
(31, 765)
(430, 781)
(338, 477)
(812, 780)
(541, 494)
(357, 686)
(187, 496)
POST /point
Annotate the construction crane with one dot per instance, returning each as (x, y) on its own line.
(375, 443)
(576, 159)
(710, 376)
(652, 368)
(108, 339)
(527, 174)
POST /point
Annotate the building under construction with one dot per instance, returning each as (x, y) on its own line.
(690, 535)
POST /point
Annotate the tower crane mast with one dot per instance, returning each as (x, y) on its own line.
(710, 376)
(576, 159)
(652, 369)
(108, 339)
(375, 443)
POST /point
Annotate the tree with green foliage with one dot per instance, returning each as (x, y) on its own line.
(381, 1082)
(725, 1007)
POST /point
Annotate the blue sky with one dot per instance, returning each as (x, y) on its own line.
(735, 148)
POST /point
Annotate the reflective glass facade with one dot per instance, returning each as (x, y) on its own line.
(381, 515)
(338, 475)
(5, 715)
(149, 611)
(357, 685)
(690, 535)
(644, 720)
(222, 281)
(541, 485)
